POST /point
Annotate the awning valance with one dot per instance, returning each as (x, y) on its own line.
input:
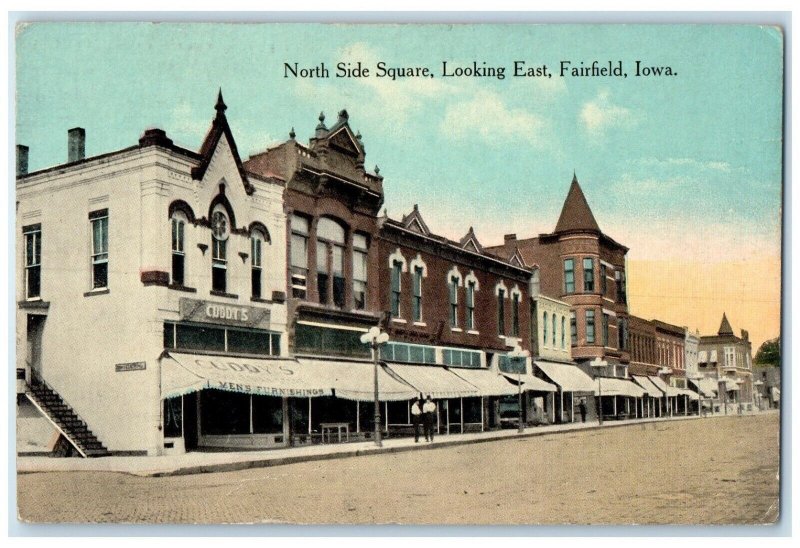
(356, 380)
(488, 383)
(647, 385)
(612, 386)
(433, 380)
(529, 382)
(708, 387)
(569, 377)
(183, 373)
(668, 391)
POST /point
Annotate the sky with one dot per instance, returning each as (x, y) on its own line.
(685, 170)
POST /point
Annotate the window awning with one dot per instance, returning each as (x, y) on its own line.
(529, 382)
(668, 391)
(433, 380)
(731, 384)
(649, 387)
(488, 383)
(356, 380)
(183, 373)
(612, 386)
(707, 386)
(569, 377)
(691, 394)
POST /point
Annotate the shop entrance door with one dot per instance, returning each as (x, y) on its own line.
(33, 361)
(190, 421)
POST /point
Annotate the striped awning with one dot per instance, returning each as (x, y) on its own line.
(613, 386)
(569, 377)
(649, 387)
(668, 391)
(708, 387)
(488, 383)
(355, 380)
(531, 383)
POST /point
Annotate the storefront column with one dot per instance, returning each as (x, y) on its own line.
(309, 416)
(286, 419)
(358, 417)
(615, 406)
(483, 420)
(572, 407)
(461, 401)
(561, 407)
(386, 415)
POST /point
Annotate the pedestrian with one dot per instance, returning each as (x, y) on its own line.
(429, 409)
(582, 409)
(416, 418)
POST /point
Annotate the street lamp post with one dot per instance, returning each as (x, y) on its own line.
(376, 338)
(597, 363)
(666, 371)
(519, 354)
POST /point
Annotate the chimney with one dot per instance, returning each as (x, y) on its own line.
(509, 238)
(76, 147)
(22, 160)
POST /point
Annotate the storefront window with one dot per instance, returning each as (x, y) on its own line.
(180, 336)
(312, 339)
(224, 413)
(173, 418)
(267, 415)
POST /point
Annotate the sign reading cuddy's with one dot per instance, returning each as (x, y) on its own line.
(223, 313)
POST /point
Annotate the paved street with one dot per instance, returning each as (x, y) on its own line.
(713, 471)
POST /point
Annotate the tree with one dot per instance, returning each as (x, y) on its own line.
(769, 353)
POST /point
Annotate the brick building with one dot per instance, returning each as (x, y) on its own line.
(584, 267)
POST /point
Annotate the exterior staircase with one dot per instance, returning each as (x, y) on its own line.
(68, 423)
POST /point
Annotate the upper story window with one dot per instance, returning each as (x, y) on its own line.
(299, 256)
(257, 241)
(544, 328)
(603, 279)
(730, 356)
(471, 305)
(359, 271)
(501, 311)
(408, 353)
(178, 223)
(590, 326)
(573, 327)
(563, 332)
(220, 231)
(453, 287)
(605, 329)
(553, 325)
(397, 269)
(569, 275)
(588, 274)
(330, 262)
(622, 333)
(619, 277)
(515, 315)
(33, 260)
(416, 297)
(99, 221)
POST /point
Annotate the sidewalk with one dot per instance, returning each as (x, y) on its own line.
(201, 462)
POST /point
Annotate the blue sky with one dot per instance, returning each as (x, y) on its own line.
(684, 167)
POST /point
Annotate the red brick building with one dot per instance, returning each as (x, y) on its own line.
(584, 267)
(642, 347)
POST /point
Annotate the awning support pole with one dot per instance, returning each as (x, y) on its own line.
(461, 401)
(482, 415)
(358, 417)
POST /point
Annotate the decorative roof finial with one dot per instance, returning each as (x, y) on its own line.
(292, 134)
(574, 177)
(321, 118)
(343, 116)
(377, 170)
(220, 107)
(358, 135)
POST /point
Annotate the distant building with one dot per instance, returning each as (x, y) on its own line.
(728, 359)
(767, 386)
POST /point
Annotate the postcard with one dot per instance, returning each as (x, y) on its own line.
(419, 274)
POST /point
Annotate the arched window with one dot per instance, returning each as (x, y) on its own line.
(299, 255)
(544, 328)
(258, 240)
(553, 319)
(178, 222)
(563, 331)
(360, 253)
(220, 231)
(330, 262)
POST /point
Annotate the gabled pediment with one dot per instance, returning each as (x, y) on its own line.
(470, 242)
(345, 141)
(220, 128)
(516, 258)
(414, 222)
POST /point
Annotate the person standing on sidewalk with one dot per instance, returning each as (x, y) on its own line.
(429, 409)
(416, 418)
(582, 409)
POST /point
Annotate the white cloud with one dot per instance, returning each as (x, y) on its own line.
(600, 114)
(487, 116)
(713, 165)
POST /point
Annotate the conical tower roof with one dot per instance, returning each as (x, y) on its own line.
(725, 327)
(576, 214)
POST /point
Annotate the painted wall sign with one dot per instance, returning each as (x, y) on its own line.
(223, 314)
(130, 366)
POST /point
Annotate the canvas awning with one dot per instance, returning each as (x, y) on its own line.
(488, 383)
(612, 386)
(668, 391)
(776, 393)
(356, 380)
(433, 380)
(731, 384)
(689, 393)
(647, 385)
(184, 373)
(708, 387)
(569, 377)
(529, 382)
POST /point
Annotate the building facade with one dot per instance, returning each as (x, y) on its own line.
(728, 359)
(134, 258)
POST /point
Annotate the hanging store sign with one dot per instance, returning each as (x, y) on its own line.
(223, 314)
(130, 366)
